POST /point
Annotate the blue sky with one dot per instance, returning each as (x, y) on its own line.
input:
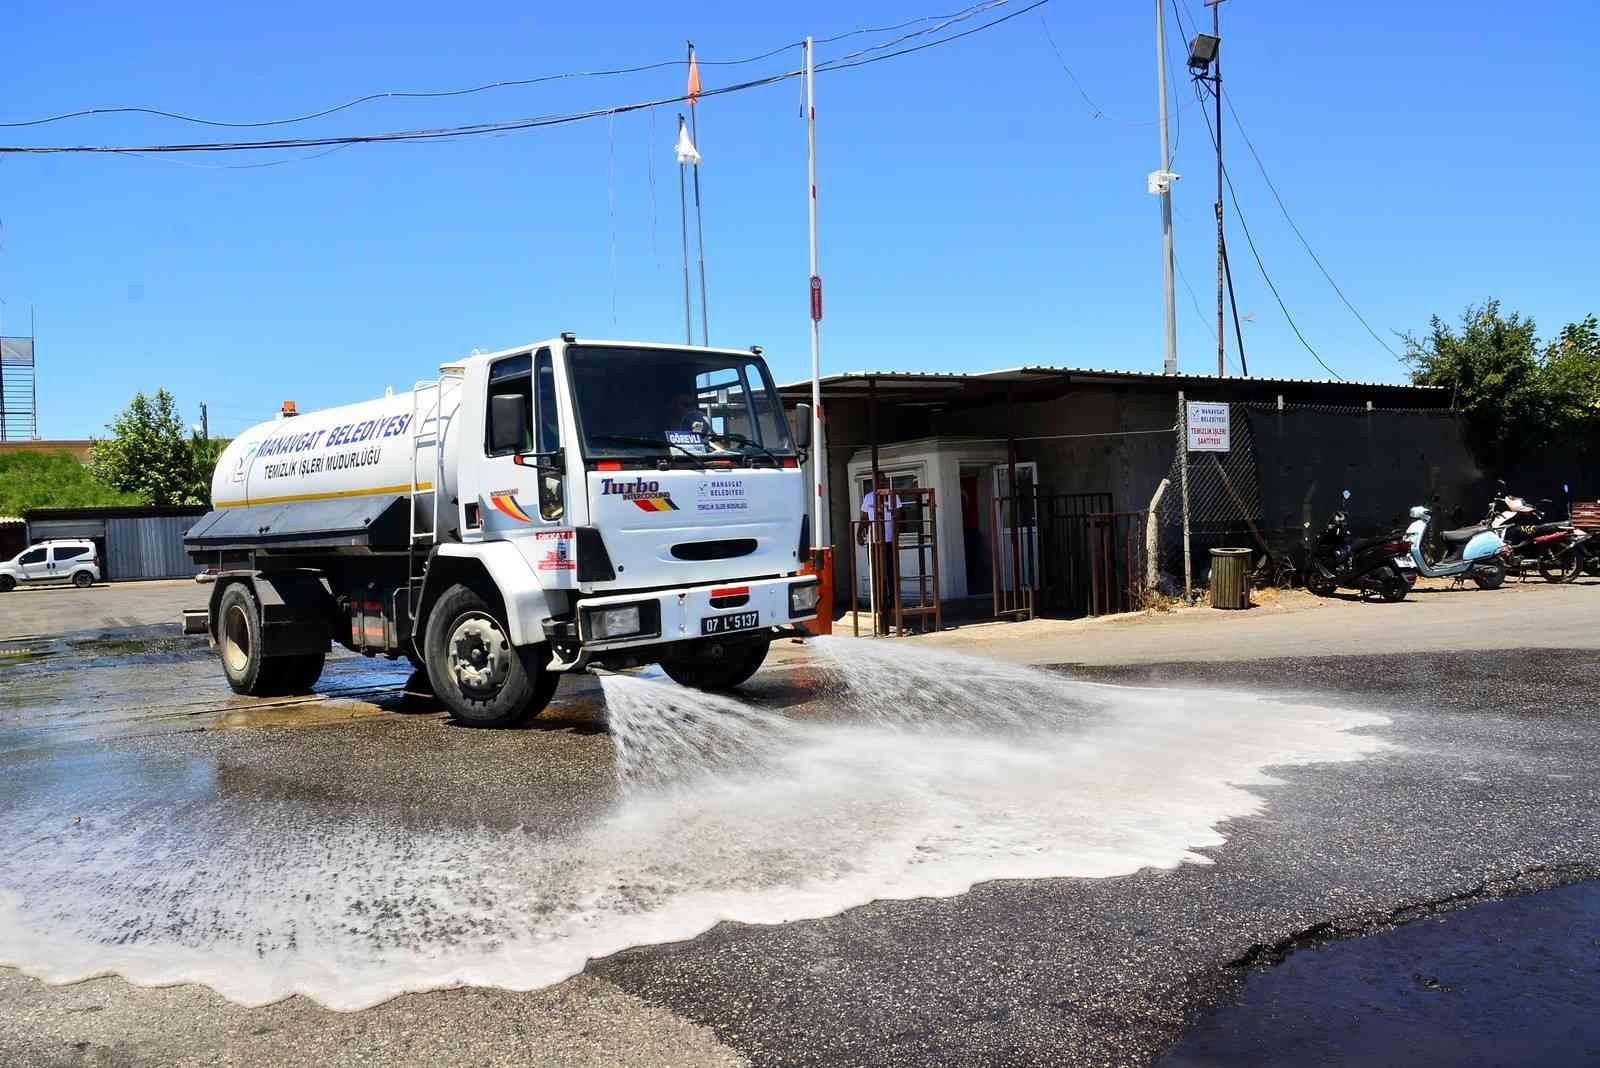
(974, 213)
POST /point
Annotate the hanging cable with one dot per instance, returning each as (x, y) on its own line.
(479, 129)
(434, 94)
(1306, 244)
(1233, 198)
(840, 65)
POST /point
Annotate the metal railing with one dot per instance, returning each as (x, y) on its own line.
(915, 529)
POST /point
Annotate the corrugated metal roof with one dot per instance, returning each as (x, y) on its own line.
(1020, 373)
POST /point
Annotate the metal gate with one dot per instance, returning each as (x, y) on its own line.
(1091, 559)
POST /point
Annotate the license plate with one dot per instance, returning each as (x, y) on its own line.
(1406, 563)
(731, 622)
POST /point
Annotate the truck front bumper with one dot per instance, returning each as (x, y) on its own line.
(735, 609)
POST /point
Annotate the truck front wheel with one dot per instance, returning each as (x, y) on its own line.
(719, 667)
(482, 678)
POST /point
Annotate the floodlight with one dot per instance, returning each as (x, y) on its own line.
(1203, 52)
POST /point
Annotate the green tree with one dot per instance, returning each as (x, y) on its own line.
(148, 453)
(1516, 396)
(1572, 366)
(203, 456)
(52, 480)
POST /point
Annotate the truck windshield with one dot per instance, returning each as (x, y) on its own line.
(672, 402)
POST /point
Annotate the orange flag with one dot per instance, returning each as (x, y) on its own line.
(694, 79)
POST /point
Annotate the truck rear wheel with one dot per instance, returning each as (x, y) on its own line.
(297, 674)
(720, 668)
(239, 644)
(482, 678)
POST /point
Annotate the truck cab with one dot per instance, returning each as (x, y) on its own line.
(545, 509)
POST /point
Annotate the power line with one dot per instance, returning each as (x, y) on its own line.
(840, 65)
(945, 20)
(429, 94)
(1307, 245)
(479, 129)
(1234, 199)
(891, 29)
(413, 94)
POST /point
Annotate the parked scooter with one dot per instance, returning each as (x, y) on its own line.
(1370, 565)
(1555, 550)
(1470, 552)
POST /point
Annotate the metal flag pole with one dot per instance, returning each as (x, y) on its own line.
(699, 216)
(683, 226)
(821, 542)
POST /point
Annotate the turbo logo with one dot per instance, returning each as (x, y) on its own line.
(646, 495)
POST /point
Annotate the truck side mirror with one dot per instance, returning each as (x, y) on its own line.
(802, 425)
(508, 421)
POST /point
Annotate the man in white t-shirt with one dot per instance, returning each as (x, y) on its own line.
(885, 564)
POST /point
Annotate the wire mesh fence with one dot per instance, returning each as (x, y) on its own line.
(1285, 471)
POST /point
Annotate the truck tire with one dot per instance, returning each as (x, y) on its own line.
(477, 673)
(239, 644)
(733, 668)
(298, 674)
(82, 579)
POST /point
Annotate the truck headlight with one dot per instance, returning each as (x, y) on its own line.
(622, 621)
(803, 598)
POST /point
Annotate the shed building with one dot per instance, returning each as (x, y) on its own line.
(1087, 450)
(134, 542)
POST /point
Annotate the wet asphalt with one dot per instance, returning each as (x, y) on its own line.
(1490, 792)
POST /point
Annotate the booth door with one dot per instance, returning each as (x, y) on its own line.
(1019, 517)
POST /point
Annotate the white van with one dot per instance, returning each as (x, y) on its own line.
(67, 560)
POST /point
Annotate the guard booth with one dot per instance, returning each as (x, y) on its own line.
(966, 476)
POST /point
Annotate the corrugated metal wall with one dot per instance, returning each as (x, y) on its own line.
(148, 548)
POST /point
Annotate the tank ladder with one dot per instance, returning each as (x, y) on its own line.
(427, 431)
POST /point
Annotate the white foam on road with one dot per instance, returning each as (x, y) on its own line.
(923, 775)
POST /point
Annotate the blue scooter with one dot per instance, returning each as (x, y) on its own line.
(1470, 552)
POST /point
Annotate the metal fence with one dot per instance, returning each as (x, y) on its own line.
(902, 570)
(1284, 473)
(148, 547)
(1073, 555)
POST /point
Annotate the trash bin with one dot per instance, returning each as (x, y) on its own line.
(1230, 584)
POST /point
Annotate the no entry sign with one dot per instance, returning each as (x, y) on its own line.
(1209, 429)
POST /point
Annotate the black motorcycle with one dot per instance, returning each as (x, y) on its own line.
(1370, 565)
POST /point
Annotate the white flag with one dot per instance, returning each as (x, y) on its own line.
(685, 147)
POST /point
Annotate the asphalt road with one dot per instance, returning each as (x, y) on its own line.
(1487, 790)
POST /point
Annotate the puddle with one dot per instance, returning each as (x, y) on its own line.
(1507, 982)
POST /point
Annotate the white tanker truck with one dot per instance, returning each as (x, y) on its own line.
(535, 511)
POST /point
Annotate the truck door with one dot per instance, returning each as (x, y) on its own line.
(522, 487)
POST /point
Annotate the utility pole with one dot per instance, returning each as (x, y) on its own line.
(1222, 253)
(1161, 184)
